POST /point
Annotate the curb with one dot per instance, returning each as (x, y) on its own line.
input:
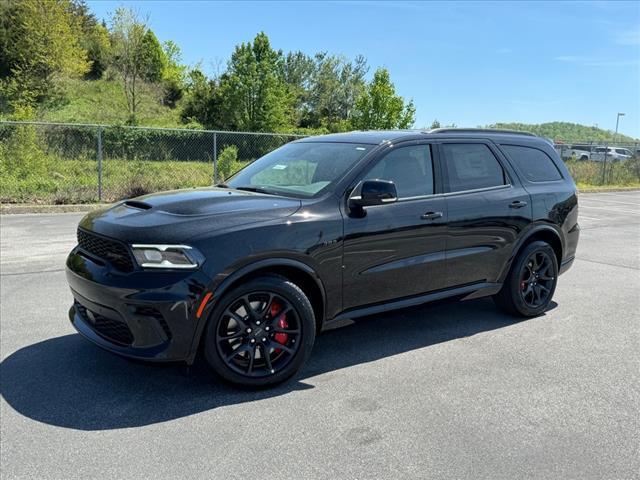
(8, 209)
(604, 190)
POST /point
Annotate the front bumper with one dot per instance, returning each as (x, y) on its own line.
(148, 315)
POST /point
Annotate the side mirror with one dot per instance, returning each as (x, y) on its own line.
(374, 192)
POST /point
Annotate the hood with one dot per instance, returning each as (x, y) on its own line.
(176, 216)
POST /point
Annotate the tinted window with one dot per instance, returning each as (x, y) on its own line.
(471, 166)
(410, 168)
(534, 164)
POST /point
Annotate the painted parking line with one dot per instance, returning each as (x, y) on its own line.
(611, 210)
(635, 204)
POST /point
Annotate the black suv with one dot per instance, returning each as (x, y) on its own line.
(321, 230)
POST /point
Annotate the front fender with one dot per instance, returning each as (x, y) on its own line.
(223, 282)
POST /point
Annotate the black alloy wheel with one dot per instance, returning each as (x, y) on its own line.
(529, 287)
(537, 279)
(260, 333)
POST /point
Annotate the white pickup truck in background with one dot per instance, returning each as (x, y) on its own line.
(595, 153)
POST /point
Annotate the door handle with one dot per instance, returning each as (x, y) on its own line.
(431, 215)
(517, 204)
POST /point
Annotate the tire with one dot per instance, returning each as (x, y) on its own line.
(265, 343)
(527, 290)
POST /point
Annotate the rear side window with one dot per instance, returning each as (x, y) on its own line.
(471, 166)
(534, 164)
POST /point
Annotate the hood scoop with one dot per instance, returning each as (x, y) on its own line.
(137, 205)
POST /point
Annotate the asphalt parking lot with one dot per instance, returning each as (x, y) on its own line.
(455, 390)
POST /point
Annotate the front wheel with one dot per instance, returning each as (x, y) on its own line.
(260, 333)
(531, 282)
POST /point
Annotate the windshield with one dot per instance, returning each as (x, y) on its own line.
(299, 169)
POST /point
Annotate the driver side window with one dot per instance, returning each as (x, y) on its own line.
(410, 168)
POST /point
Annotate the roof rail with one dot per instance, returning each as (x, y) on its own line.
(480, 130)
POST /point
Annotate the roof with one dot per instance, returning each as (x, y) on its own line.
(377, 137)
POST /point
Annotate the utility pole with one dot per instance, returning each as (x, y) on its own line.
(615, 139)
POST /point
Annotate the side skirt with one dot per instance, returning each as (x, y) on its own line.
(466, 292)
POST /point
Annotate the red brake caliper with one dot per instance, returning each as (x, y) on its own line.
(281, 321)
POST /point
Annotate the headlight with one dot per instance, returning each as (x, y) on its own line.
(167, 256)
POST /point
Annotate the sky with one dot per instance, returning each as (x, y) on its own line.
(468, 63)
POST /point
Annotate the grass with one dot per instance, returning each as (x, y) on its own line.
(598, 174)
(76, 181)
(103, 101)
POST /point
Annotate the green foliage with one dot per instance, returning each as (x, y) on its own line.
(255, 96)
(40, 41)
(378, 107)
(228, 162)
(336, 84)
(103, 101)
(94, 38)
(590, 174)
(174, 74)
(435, 124)
(152, 58)
(566, 132)
(128, 55)
(203, 102)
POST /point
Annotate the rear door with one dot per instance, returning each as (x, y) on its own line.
(397, 250)
(487, 210)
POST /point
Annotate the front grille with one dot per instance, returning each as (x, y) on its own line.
(111, 251)
(113, 330)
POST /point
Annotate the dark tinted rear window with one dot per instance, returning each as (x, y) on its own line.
(471, 166)
(534, 164)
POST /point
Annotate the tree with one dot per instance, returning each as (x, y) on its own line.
(94, 38)
(40, 42)
(152, 58)
(174, 75)
(336, 83)
(203, 102)
(255, 96)
(378, 107)
(435, 124)
(128, 34)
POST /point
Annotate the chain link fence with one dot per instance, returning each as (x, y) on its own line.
(75, 163)
(53, 163)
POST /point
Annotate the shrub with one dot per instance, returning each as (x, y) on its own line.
(228, 162)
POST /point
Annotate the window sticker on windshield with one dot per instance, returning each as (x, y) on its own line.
(279, 167)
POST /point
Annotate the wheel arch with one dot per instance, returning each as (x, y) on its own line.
(303, 275)
(298, 272)
(547, 234)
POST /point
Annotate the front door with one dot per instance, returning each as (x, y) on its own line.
(397, 250)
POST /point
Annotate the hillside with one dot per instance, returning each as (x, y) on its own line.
(566, 132)
(103, 102)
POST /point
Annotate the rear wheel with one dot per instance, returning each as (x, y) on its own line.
(531, 282)
(261, 333)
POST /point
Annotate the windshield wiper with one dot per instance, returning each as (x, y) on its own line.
(222, 185)
(255, 189)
